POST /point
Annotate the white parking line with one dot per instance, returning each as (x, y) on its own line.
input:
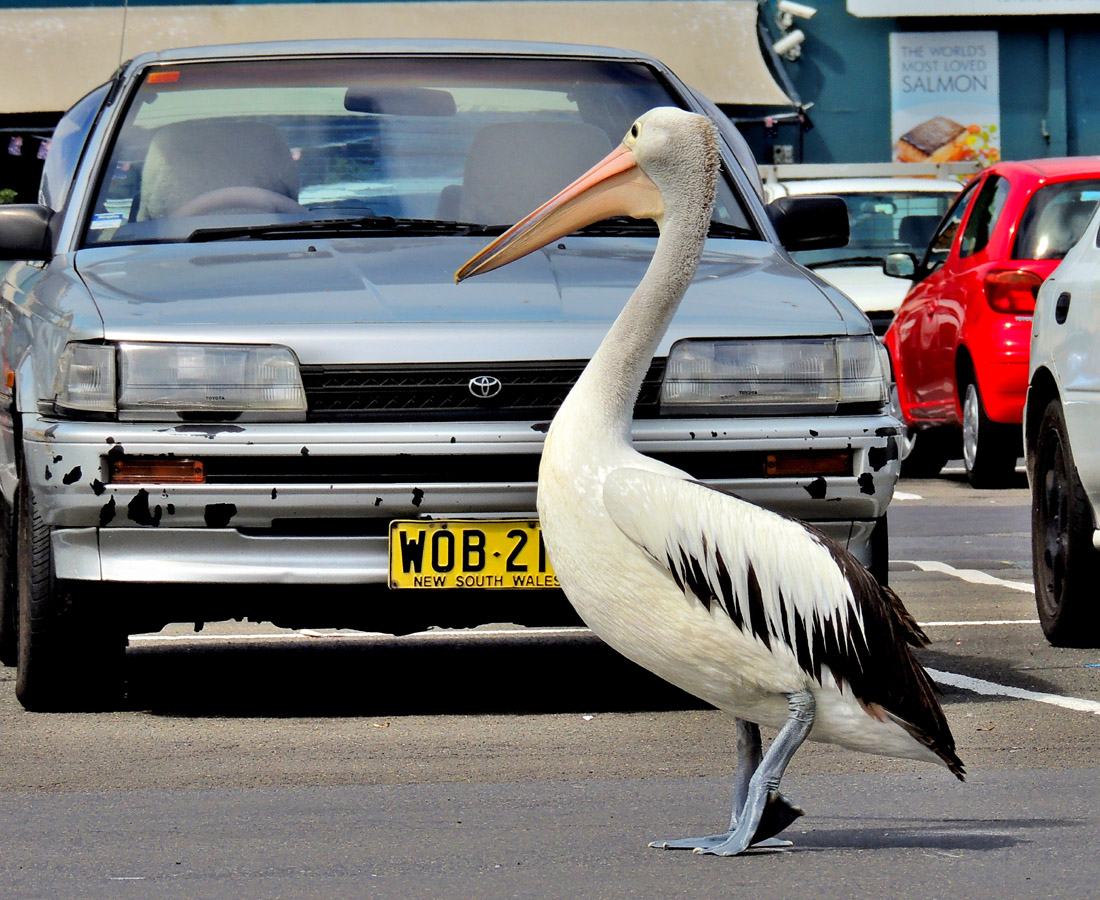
(992, 689)
(974, 576)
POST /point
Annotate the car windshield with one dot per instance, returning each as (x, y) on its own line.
(1055, 218)
(378, 145)
(882, 223)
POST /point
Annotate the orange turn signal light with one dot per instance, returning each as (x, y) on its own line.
(794, 464)
(137, 470)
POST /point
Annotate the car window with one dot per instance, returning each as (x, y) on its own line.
(983, 218)
(944, 236)
(66, 147)
(1055, 218)
(883, 222)
(208, 145)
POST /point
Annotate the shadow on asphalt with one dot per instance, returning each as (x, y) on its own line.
(946, 835)
(419, 675)
(402, 676)
(1018, 480)
(985, 668)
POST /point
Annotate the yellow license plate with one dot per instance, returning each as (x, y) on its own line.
(469, 553)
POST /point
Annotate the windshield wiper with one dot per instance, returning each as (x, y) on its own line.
(366, 225)
(374, 226)
(846, 261)
(620, 225)
(625, 225)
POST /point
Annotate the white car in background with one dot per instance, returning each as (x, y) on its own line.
(1062, 442)
(886, 214)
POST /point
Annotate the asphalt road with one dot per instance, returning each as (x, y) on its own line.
(255, 763)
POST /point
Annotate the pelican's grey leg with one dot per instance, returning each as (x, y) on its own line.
(748, 761)
(764, 784)
(778, 812)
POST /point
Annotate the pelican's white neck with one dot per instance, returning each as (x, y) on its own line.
(606, 392)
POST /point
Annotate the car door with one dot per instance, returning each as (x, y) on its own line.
(962, 284)
(1067, 320)
(915, 325)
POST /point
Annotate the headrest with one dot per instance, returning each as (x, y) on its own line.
(186, 159)
(514, 167)
(916, 231)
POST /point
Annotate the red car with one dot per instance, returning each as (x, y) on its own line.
(959, 342)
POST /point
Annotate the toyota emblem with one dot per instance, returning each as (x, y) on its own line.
(485, 386)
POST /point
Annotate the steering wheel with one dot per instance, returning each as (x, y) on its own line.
(238, 199)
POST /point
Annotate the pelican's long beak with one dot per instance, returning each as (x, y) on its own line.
(615, 186)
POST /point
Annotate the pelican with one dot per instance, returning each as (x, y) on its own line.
(759, 615)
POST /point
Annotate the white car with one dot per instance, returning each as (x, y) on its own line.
(1062, 441)
(887, 214)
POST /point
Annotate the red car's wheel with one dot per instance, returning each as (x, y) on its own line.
(990, 449)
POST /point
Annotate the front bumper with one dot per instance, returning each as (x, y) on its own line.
(311, 503)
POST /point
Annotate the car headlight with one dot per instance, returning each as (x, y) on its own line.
(197, 379)
(773, 376)
(86, 379)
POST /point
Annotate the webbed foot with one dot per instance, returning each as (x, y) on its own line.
(711, 842)
(778, 813)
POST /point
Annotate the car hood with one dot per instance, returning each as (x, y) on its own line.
(868, 286)
(393, 300)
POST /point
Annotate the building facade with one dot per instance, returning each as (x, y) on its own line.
(1048, 54)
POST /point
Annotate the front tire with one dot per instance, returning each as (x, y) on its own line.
(8, 630)
(990, 449)
(1065, 564)
(71, 648)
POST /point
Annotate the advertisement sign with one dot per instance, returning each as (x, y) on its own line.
(945, 96)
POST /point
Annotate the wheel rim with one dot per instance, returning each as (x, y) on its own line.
(1053, 530)
(970, 425)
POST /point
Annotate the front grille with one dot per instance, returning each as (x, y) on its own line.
(440, 392)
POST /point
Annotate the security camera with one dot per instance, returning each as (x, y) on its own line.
(789, 45)
(798, 10)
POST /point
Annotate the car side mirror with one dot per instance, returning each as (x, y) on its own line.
(900, 265)
(25, 231)
(810, 221)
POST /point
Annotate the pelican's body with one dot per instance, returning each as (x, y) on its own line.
(604, 572)
(755, 613)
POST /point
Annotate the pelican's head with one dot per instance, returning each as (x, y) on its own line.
(668, 160)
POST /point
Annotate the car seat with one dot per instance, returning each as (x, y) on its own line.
(917, 231)
(513, 167)
(188, 159)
